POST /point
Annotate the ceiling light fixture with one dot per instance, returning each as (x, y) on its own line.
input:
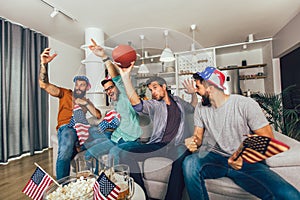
(193, 27)
(143, 69)
(56, 11)
(167, 54)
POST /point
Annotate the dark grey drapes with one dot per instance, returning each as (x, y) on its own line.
(24, 106)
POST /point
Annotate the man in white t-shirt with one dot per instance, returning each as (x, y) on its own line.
(221, 122)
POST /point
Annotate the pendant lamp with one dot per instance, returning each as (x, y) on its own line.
(167, 54)
(143, 69)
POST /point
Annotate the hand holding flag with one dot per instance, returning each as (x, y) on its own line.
(257, 148)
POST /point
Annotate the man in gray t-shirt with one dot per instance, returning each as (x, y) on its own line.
(221, 123)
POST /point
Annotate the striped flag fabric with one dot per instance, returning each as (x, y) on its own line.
(105, 189)
(81, 124)
(257, 148)
(111, 120)
(37, 184)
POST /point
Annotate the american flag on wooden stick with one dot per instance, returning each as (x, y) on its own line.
(257, 148)
(105, 189)
(37, 184)
(81, 124)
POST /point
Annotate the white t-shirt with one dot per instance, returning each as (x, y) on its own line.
(226, 125)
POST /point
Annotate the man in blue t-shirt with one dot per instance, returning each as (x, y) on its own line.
(129, 128)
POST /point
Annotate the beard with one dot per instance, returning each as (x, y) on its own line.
(205, 100)
(78, 95)
(158, 98)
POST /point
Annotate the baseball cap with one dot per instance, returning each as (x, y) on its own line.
(83, 78)
(159, 80)
(214, 76)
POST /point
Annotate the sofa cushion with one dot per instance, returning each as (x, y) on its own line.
(288, 158)
(226, 187)
(157, 169)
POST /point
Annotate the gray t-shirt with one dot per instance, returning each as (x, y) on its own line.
(226, 125)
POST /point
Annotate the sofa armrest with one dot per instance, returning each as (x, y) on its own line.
(288, 158)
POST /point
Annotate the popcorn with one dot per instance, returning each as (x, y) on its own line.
(81, 189)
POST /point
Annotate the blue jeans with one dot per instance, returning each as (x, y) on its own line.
(133, 152)
(255, 178)
(99, 144)
(67, 139)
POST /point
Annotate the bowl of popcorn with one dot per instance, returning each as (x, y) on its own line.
(72, 188)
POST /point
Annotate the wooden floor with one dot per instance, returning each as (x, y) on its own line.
(15, 175)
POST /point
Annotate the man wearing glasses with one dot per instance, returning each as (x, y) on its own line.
(129, 128)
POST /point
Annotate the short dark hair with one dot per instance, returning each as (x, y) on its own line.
(196, 76)
(157, 79)
(103, 82)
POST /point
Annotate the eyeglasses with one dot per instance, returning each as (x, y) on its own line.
(109, 88)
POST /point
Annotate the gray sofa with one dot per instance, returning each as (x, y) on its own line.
(287, 164)
(157, 169)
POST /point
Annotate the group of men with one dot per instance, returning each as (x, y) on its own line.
(220, 124)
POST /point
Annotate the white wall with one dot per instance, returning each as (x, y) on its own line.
(288, 38)
(61, 72)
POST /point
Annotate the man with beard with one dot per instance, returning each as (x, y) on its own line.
(168, 114)
(67, 137)
(129, 129)
(221, 122)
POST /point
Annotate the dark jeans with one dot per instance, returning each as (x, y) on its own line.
(134, 152)
(255, 178)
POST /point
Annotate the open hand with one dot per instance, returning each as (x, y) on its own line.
(188, 84)
(125, 71)
(46, 57)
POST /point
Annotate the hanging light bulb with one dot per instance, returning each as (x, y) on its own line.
(143, 69)
(167, 54)
(193, 46)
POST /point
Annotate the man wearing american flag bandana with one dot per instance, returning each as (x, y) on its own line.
(221, 124)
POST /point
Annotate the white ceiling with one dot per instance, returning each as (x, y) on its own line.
(218, 22)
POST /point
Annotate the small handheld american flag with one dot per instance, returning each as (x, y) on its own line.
(105, 189)
(37, 184)
(257, 148)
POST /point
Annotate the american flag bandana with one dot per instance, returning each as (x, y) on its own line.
(257, 148)
(105, 189)
(37, 184)
(111, 120)
(81, 124)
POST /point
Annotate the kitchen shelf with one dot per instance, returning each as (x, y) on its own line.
(161, 74)
(243, 67)
(255, 77)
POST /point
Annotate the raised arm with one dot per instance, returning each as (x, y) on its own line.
(130, 90)
(43, 76)
(99, 51)
(190, 89)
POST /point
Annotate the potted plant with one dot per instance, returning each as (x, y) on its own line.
(282, 110)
